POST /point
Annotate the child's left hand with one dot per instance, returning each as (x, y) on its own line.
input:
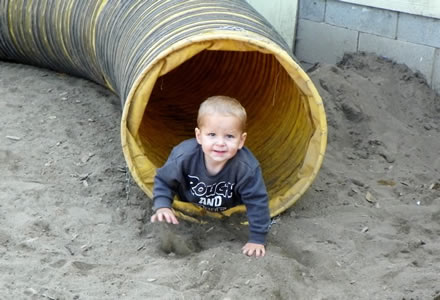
(251, 249)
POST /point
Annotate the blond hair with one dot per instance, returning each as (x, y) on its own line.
(223, 105)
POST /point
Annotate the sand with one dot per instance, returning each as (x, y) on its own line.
(73, 225)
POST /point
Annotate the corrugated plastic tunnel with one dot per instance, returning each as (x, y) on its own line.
(163, 58)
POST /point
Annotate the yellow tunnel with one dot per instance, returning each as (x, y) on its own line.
(163, 58)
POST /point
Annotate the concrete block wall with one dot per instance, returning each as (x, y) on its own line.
(327, 29)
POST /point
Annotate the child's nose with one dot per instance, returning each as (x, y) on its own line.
(221, 141)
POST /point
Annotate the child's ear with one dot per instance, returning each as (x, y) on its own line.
(242, 140)
(197, 132)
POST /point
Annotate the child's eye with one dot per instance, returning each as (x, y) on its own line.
(211, 134)
(229, 136)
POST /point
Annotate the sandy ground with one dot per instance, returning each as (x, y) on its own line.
(73, 227)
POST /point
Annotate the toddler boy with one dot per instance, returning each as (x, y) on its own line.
(216, 171)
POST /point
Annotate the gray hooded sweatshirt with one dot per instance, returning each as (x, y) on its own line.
(239, 182)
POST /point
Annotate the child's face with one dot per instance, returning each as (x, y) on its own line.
(221, 137)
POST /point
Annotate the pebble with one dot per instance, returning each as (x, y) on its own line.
(203, 262)
(12, 137)
(427, 126)
(353, 192)
(370, 198)
(30, 291)
(390, 159)
(357, 182)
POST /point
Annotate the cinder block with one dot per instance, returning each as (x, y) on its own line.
(362, 18)
(313, 10)
(417, 57)
(419, 29)
(436, 72)
(320, 42)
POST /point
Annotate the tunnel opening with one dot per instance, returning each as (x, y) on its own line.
(280, 120)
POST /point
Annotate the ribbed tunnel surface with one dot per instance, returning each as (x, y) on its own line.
(163, 58)
(278, 141)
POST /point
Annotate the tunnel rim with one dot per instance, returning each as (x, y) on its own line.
(256, 43)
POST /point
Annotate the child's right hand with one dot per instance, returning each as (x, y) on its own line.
(164, 214)
(251, 249)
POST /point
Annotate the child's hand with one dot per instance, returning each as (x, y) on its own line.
(164, 214)
(251, 248)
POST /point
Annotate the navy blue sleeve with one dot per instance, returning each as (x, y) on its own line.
(166, 183)
(254, 196)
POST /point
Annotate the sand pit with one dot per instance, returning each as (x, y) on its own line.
(73, 226)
